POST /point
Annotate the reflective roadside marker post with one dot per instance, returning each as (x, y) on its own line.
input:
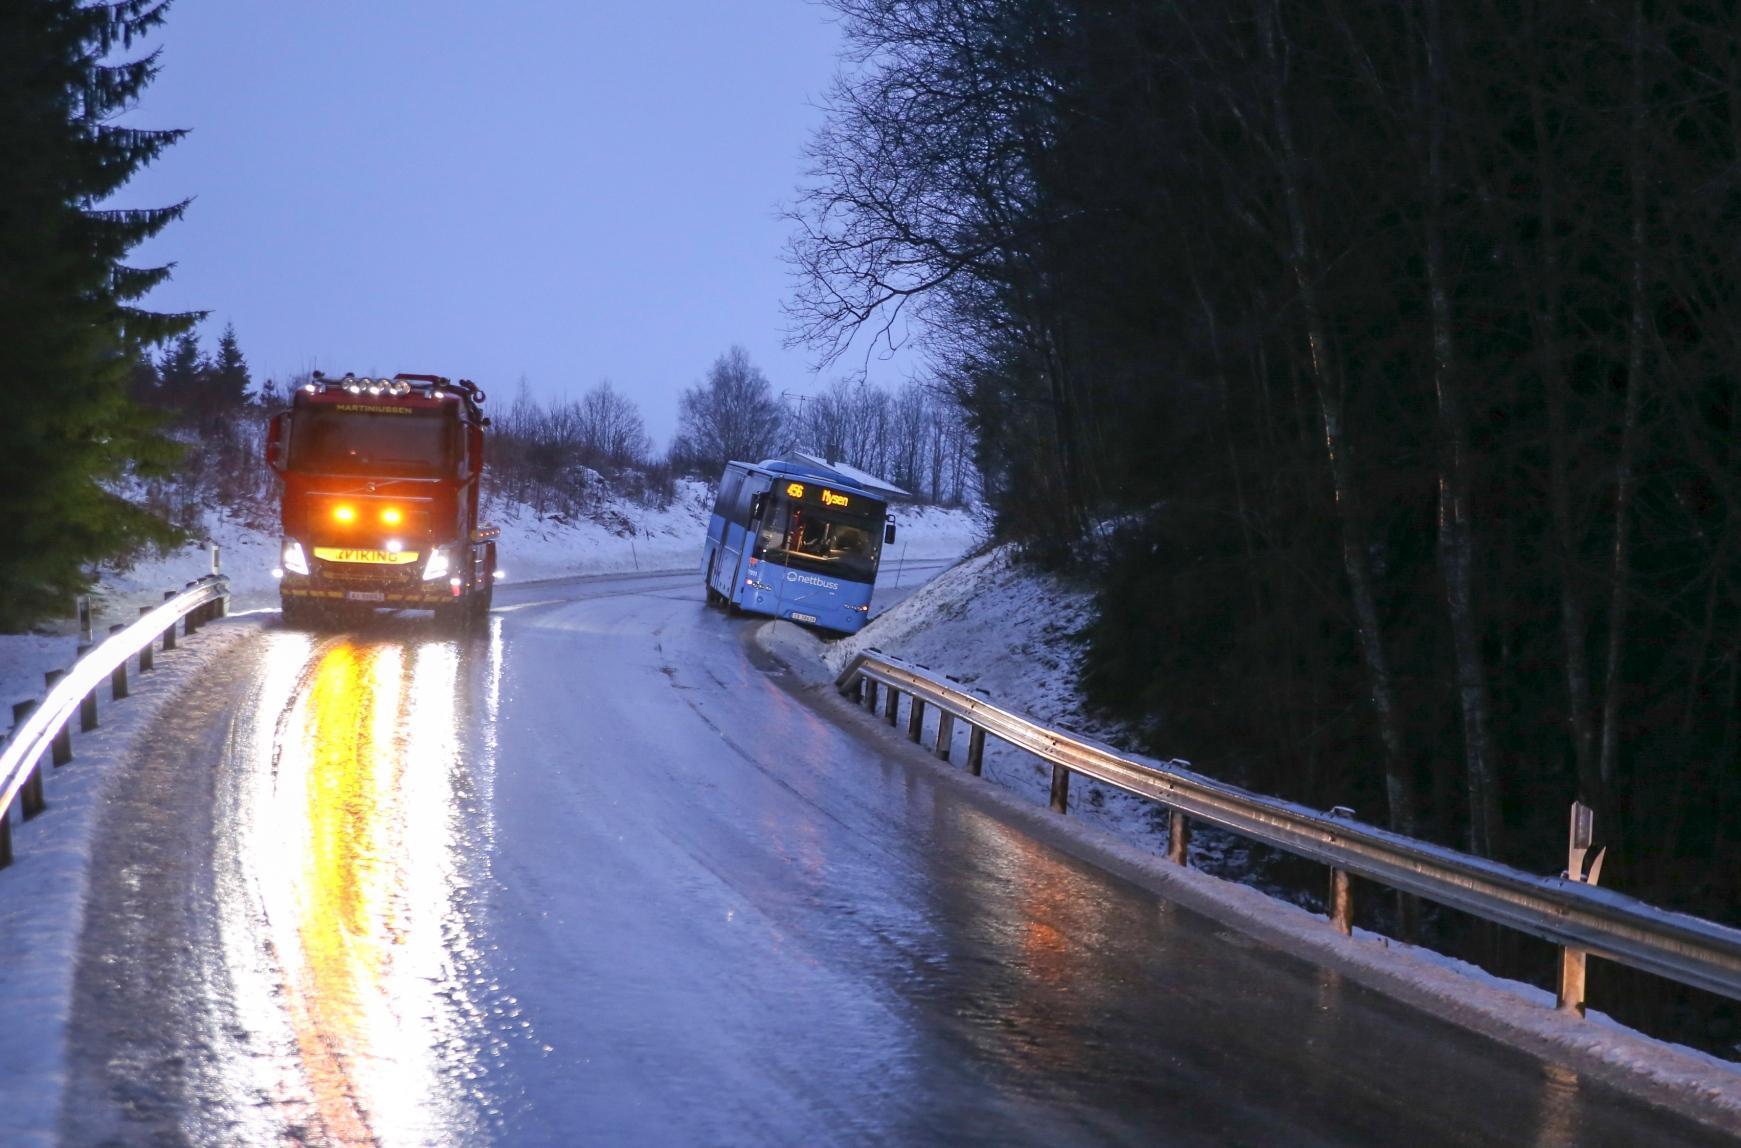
(84, 604)
(1574, 963)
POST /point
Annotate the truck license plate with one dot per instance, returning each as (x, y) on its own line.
(796, 617)
(365, 596)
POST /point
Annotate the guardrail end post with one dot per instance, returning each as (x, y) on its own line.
(891, 704)
(915, 718)
(61, 748)
(945, 734)
(1060, 789)
(1178, 838)
(169, 634)
(976, 751)
(118, 678)
(1342, 902)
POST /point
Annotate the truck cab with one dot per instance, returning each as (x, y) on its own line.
(380, 499)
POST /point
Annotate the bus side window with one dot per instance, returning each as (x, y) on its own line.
(728, 493)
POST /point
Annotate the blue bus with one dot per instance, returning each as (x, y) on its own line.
(796, 541)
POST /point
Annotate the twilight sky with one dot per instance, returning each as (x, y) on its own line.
(565, 190)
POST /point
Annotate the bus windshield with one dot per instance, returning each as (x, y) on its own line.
(325, 441)
(824, 541)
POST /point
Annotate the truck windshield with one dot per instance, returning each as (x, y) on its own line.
(326, 441)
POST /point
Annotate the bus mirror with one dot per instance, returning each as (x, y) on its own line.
(889, 534)
(276, 433)
(758, 503)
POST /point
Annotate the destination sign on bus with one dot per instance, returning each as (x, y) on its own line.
(824, 495)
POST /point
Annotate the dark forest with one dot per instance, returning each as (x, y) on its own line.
(1374, 362)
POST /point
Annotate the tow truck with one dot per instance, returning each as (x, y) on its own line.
(380, 499)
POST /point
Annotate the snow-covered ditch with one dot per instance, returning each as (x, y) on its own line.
(1010, 633)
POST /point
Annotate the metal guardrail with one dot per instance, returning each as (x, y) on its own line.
(1567, 911)
(43, 727)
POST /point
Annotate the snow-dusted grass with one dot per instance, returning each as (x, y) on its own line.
(1011, 633)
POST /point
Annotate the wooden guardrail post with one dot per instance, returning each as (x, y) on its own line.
(169, 634)
(1574, 963)
(88, 703)
(976, 751)
(118, 677)
(190, 622)
(30, 799)
(1060, 789)
(61, 748)
(945, 734)
(915, 718)
(146, 663)
(5, 837)
(891, 704)
(1178, 838)
(868, 693)
(1341, 901)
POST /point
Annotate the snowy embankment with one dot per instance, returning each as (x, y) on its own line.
(1011, 634)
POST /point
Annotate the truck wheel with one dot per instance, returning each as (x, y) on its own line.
(451, 617)
(299, 614)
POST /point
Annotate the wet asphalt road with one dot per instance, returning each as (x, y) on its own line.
(602, 875)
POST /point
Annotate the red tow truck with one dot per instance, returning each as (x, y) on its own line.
(381, 498)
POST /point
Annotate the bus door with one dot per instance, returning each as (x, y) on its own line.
(739, 543)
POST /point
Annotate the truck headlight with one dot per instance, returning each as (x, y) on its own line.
(436, 567)
(294, 560)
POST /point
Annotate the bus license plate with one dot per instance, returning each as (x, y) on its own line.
(365, 596)
(796, 617)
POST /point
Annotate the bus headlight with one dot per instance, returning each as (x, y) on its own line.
(436, 566)
(295, 561)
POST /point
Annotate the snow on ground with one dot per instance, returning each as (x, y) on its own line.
(1011, 634)
(42, 893)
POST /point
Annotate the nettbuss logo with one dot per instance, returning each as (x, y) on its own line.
(808, 580)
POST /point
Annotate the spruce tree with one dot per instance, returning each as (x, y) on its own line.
(227, 378)
(70, 331)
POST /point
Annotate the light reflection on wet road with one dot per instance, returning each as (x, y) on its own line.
(598, 876)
